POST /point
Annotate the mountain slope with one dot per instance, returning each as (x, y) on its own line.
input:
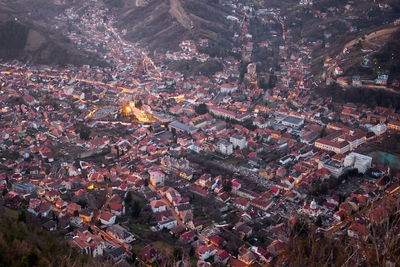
(162, 24)
(25, 34)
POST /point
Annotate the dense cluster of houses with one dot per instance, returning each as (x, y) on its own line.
(189, 51)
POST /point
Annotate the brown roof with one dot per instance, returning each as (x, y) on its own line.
(73, 207)
(241, 201)
(331, 143)
(216, 240)
(116, 206)
(203, 249)
(105, 215)
(157, 203)
(359, 228)
(148, 253)
(187, 236)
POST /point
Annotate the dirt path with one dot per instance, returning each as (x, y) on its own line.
(374, 35)
(177, 11)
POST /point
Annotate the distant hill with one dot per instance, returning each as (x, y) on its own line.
(162, 24)
(25, 34)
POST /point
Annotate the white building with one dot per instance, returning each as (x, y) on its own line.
(106, 218)
(238, 141)
(305, 2)
(286, 159)
(361, 162)
(232, 18)
(338, 70)
(88, 243)
(225, 147)
(382, 79)
(251, 68)
(337, 147)
(168, 224)
(293, 122)
(158, 205)
(378, 129)
(228, 88)
(334, 166)
(311, 210)
(355, 140)
(204, 252)
(157, 178)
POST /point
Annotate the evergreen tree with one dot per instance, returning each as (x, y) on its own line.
(128, 198)
(136, 209)
(227, 187)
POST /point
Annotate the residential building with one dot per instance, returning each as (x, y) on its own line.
(120, 233)
(157, 178)
(238, 141)
(394, 125)
(88, 243)
(180, 127)
(355, 160)
(225, 147)
(107, 218)
(204, 252)
(293, 122)
(338, 148)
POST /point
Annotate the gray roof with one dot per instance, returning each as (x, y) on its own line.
(117, 252)
(119, 230)
(224, 142)
(294, 120)
(183, 127)
(238, 137)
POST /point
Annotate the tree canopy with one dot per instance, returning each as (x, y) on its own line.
(201, 109)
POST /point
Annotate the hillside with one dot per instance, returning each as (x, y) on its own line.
(355, 39)
(389, 56)
(24, 243)
(162, 24)
(309, 247)
(25, 34)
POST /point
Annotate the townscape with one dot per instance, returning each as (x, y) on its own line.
(134, 162)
